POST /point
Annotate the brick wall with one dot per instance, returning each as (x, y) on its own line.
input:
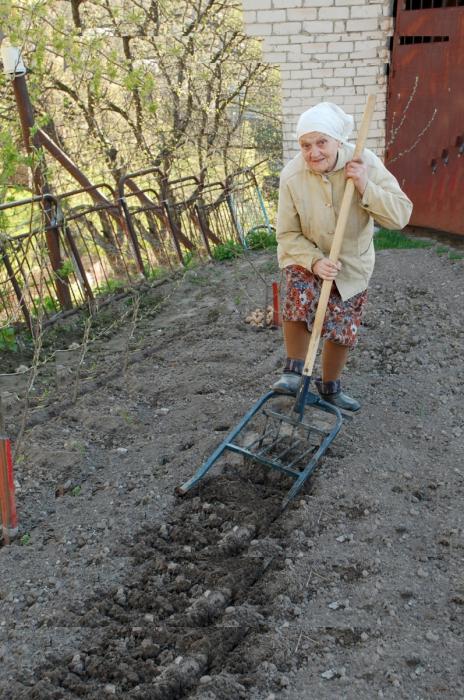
(327, 50)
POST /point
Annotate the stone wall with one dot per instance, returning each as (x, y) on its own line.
(327, 50)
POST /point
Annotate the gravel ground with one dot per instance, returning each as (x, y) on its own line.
(121, 589)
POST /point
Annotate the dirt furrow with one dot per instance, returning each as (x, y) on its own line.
(195, 592)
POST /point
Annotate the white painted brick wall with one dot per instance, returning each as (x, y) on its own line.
(327, 50)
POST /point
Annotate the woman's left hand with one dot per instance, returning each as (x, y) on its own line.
(357, 171)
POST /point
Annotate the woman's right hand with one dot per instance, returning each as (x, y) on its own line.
(326, 269)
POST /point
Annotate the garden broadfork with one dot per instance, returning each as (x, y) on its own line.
(281, 432)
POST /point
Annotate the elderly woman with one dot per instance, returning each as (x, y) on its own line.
(311, 191)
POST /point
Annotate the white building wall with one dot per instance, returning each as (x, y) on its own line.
(327, 50)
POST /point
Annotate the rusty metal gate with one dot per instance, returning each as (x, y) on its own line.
(425, 110)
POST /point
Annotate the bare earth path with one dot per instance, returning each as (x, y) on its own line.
(356, 591)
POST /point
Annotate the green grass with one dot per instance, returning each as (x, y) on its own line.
(441, 249)
(155, 273)
(191, 260)
(454, 255)
(385, 239)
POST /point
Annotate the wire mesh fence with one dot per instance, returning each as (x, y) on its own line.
(142, 202)
(60, 252)
(103, 248)
(246, 204)
(38, 275)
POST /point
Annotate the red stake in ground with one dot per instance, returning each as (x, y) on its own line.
(7, 491)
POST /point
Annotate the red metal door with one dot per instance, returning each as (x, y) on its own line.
(425, 111)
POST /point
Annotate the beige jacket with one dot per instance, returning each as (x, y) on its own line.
(308, 208)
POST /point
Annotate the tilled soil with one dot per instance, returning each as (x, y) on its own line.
(121, 589)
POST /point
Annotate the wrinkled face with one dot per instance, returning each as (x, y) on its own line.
(319, 151)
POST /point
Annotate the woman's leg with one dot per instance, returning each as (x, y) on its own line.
(296, 337)
(334, 355)
(334, 358)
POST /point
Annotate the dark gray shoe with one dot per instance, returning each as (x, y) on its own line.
(288, 383)
(332, 393)
(341, 400)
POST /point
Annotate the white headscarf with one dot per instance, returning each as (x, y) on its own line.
(326, 118)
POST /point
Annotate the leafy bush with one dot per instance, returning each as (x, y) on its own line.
(65, 270)
(261, 237)
(50, 304)
(227, 251)
(8, 339)
(109, 286)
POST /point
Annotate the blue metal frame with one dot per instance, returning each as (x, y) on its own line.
(300, 475)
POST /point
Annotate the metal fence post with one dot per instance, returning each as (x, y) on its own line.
(16, 287)
(127, 222)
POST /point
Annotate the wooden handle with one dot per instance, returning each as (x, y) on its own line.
(337, 240)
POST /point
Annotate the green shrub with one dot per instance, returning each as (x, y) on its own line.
(8, 339)
(65, 270)
(261, 237)
(109, 287)
(50, 304)
(226, 251)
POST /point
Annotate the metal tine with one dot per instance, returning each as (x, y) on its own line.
(277, 421)
(302, 456)
(290, 446)
(267, 447)
(299, 458)
(267, 450)
(278, 458)
(294, 442)
(276, 439)
(302, 429)
(264, 434)
(297, 423)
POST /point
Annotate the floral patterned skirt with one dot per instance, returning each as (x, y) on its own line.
(342, 319)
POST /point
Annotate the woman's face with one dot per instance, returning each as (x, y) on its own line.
(319, 151)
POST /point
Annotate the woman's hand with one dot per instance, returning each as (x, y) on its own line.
(357, 171)
(326, 269)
